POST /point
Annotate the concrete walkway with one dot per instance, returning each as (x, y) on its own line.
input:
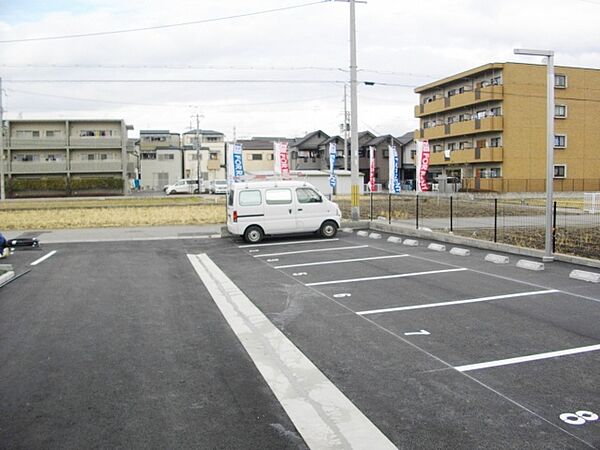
(119, 234)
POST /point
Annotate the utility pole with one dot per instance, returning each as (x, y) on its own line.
(2, 193)
(198, 152)
(345, 129)
(355, 188)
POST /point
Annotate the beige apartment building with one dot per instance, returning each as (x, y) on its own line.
(487, 126)
(66, 157)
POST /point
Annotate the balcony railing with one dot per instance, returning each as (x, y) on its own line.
(95, 142)
(34, 167)
(96, 166)
(493, 123)
(32, 143)
(468, 156)
(479, 95)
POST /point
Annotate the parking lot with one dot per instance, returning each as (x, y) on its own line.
(364, 343)
(458, 351)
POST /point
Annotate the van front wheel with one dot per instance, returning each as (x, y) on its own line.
(328, 229)
(253, 234)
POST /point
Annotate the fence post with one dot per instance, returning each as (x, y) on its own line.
(417, 212)
(389, 209)
(554, 229)
(451, 215)
(371, 206)
(495, 220)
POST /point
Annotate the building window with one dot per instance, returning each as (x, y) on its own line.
(496, 81)
(426, 124)
(493, 172)
(451, 92)
(26, 158)
(496, 111)
(257, 157)
(95, 133)
(481, 114)
(560, 171)
(437, 148)
(450, 119)
(560, 111)
(362, 152)
(53, 133)
(166, 157)
(560, 141)
(386, 153)
(560, 81)
(464, 117)
(27, 134)
(495, 142)
(270, 158)
(451, 146)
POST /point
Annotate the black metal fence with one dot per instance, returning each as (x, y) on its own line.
(515, 221)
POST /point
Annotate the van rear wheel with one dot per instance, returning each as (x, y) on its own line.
(253, 234)
(328, 229)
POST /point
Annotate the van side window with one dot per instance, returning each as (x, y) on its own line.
(250, 198)
(278, 196)
(306, 195)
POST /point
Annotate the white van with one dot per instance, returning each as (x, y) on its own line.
(259, 208)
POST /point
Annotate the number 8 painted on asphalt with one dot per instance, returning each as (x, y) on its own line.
(579, 418)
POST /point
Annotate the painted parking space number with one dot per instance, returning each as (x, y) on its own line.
(579, 418)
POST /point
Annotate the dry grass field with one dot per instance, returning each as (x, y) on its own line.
(117, 212)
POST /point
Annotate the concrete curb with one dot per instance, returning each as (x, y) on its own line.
(8, 273)
(453, 239)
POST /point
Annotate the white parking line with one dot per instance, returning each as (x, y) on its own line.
(522, 359)
(269, 244)
(43, 258)
(331, 249)
(322, 414)
(386, 277)
(456, 302)
(339, 261)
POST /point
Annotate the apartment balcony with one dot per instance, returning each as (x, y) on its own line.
(96, 166)
(493, 123)
(95, 142)
(468, 156)
(479, 95)
(40, 143)
(35, 167)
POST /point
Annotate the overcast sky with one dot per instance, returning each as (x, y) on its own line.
(401, 45)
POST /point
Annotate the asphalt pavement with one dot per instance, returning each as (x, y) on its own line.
(126, 342)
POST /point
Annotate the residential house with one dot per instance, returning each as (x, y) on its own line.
(408, 151)
(66, 157)
(210, 148)
(339, 158)
(487, 126)
(257, 155)
(161, 158)
(306, 152)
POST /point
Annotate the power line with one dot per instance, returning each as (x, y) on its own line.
(163, 105)
(158, 27)
(169, 67)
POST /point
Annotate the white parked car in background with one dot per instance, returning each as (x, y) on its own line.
(185, 186)
(218, 187)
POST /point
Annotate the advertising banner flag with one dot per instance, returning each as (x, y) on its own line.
(394, 181)
(372, 169)
(332, 156)
(423, 156)
(238, 161)
(282, 163)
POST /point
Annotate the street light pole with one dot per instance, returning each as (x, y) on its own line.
(198, 153)
(549, 55)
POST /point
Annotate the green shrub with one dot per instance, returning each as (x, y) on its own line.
(39, 184)
(96, 183)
